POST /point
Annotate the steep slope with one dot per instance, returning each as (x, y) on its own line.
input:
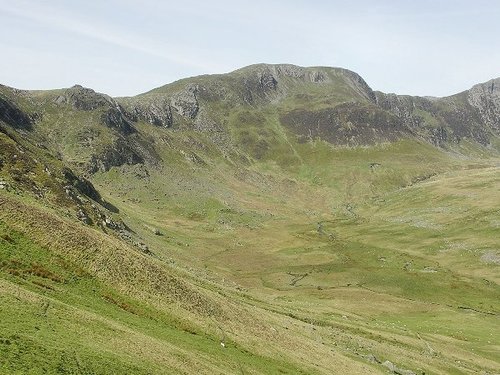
(276, 219)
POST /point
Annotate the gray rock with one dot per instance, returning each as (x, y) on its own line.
(158, 113)
(185, 102)
(86, 99)
(392, 367)
(318, 76)
(143, 247)
(109, 223)
(81, 184)
(82, 216)
(204, 123)
(486, 98)
(289, 70)
(267, 81)
(492, 257)
(118, 154)
(83, 98)
(389, 365)
(116, 119)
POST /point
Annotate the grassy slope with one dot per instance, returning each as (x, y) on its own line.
(298, 256)
(62, 313)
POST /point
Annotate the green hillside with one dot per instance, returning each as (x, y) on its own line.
(273, 220)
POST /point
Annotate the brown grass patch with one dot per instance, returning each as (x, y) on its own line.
(122, 305)
(17, 268)
(7, 238)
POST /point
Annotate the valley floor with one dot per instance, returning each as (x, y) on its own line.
(268, 274)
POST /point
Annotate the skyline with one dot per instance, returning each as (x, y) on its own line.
(122, 48)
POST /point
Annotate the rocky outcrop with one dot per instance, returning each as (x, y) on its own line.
(185, 102)
(318, 77)
(203, 123)
(462, 120)
(485, 98)
(397, 370)
(404, 106)
(81, 184)
(84, 99)
(158, 113)
(116, 155)
(115, 118)
(288, 70)
(271, 75)
(410, 110)
(267, 81)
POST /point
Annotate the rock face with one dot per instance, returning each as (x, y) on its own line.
(288, 70)
(469, 115)
(118, 154)
(403, 107)
(486, 98)
(115, 118)
(158, 113)
(185, 102)
(396, 370)
(84, 99)
(267, 81)
(358, 84)
(82, 185)
(410, 110)
(317, 77)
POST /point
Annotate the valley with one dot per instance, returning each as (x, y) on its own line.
(276, 219)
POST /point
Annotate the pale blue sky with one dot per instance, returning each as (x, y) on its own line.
(125, 47)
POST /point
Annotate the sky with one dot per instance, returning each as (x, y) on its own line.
(126, 47)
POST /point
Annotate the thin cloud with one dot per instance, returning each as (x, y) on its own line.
(66, 22)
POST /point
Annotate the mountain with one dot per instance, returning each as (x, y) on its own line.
(276, 219)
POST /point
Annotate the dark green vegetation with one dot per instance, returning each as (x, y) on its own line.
(276, 219)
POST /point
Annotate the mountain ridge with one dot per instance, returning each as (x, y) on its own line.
(494, 80)
(228, 109)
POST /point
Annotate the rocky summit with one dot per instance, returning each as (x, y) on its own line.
(275, 219)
